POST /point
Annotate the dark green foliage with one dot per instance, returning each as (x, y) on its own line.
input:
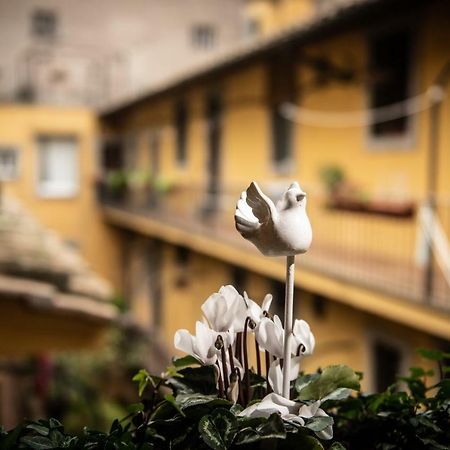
(395, 419)
(191, 416)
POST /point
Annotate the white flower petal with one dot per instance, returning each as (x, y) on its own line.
(266, 303)
(276, 377)
(271, 403)
(303, 336)
(183, 341)
(270, 337)
(308, 411)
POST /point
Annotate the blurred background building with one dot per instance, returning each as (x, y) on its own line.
(95, 53)
(171, 109)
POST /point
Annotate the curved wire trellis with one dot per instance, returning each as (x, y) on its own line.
(359, 118)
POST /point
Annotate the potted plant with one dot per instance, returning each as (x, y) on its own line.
(139, 187)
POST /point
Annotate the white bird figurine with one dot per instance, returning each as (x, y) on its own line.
(281, 230)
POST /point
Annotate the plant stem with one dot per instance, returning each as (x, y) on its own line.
(230, 356)
(267, 355)
(225, 370)
(239, 346)
(258, 358)
(288, 323)
(220, 381)
(246, 372)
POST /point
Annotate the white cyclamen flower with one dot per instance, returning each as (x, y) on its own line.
(270, 337)
(303, 338)
(288, 410)
(225, 310)
(256, 312)
(203, 345)
(273, 403)
(314, 410)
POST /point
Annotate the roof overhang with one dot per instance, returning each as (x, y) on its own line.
(37, 318)
(340, 17)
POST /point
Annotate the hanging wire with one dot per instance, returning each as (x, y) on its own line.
(365, 117)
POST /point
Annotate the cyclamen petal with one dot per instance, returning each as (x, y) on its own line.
(201, 346)
(254, 311)
(314, 410)
(269, 335)
(183, 341)
(225, 310)
(271, 403)
(266, 303)
(303, 336)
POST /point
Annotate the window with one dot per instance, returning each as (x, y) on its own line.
(203, 37)
(57, 167)
(44, 23)
(387, 364)
(282, 89)
(281, 139)
(181, 121)
(182, 255)
(390, 60)
(9, 163)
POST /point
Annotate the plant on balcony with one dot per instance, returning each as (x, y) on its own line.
(344, 196)
(116, 184)
(139, 187)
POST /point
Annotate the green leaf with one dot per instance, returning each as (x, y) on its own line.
(337, 446)
(171, 399)
(317, 424)
(200, 380)
(143, 378)
(185, 361)
(331, 379)
(190, 400)
(303, 380)
(236, 409)
(135, 407)
(433, 355)
(37, 442)
(338, 394)
(43, 431)
(164, 411)
(273, 428)
(210, 434)
(218, 429)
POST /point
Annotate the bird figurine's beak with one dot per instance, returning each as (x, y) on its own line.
(295, 185)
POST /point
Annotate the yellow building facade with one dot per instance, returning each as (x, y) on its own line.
(48, 163)
(368, 296)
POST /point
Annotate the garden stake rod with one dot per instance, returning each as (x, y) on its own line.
(288, 321)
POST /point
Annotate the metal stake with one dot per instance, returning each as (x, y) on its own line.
(288, 323)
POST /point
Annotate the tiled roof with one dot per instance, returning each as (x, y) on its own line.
(38, 267)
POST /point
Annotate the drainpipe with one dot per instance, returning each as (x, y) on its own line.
(439, 86)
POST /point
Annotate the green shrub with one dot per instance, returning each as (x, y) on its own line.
(181, 410)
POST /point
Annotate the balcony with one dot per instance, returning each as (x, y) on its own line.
(375, 252)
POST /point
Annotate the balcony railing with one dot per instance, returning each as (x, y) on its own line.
(376, 250)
